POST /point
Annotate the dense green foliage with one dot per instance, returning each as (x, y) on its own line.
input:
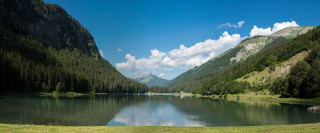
(303, 80)
(215, 86)
(159, 89)
(42, 48)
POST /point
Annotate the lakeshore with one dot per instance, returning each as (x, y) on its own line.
(296, 128)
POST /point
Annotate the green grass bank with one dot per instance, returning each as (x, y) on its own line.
(11, 128)
(264, 98)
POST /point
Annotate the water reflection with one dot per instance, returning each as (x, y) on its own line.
(68, 111)
(146, 110)
(230, 113)
(153, 113)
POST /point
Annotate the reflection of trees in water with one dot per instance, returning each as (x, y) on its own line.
(100, 109)
(221, 112)
(85, 110)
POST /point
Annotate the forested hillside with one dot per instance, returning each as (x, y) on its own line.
(193, 79)
(303, 80)
(43, 48)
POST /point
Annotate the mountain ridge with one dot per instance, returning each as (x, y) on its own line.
(289, 68)
(149, 79)
(43, 48)
(140, 75)
(48, 23)
(193, 78)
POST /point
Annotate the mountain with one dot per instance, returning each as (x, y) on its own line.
(290, 69)
(149, 79)
(194, 78)
(292, 32)
(43, 48)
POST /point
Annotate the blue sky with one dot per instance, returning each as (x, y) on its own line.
(132, 28)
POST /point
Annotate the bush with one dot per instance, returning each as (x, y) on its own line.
(297, 75)
(58, 87)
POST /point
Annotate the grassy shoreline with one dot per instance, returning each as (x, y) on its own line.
(264, 98)
(230, 97)
(175, 94)
(251, 97)
(12, 128)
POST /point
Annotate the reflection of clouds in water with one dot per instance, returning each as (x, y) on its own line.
(153, 113)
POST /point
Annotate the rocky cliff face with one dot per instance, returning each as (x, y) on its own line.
(47, 23)
(251, 46)
(291, 32)
(254, 44)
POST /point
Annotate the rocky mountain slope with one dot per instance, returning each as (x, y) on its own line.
(149, 79)
(290, 69)
(193, 78)
(292, 32)
(269, 74)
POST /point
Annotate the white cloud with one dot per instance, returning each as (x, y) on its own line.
(161, 75)
(276, 27)
(182, 57)
(260, 31)
(240, 23)
(119, 49)
(144, 114)
(280, 26)
(173, 62)
(133, 64)
(101, 53)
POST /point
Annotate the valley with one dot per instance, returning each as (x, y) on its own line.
(159, 66)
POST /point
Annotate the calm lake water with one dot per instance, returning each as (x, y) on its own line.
(144, 110)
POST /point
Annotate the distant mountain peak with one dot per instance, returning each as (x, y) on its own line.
(141, 75)
(149, 79)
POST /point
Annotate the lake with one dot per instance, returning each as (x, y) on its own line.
(148, 110)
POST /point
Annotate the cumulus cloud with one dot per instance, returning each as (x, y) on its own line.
(276, 27)
(175, 61)
(133, 64)
(144, 114)
(240, 23)
(119, 49)
(101, 53)
(182, 57)
(260, 31)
